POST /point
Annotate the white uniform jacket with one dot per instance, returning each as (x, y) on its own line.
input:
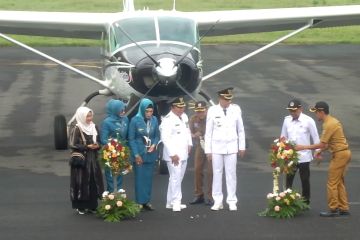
(176, 136)
(300, 131)
(224, 134)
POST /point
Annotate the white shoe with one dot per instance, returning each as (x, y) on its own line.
(232, 207)
(176, 208)
(169, 206)
(217, 207)
(80, 212)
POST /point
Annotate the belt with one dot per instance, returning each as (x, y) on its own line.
(341, 150)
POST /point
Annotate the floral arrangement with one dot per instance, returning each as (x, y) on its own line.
(115, 207)
(115, 155)
(285, 204)
(283, 156)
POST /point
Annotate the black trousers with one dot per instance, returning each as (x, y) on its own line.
(304, 171)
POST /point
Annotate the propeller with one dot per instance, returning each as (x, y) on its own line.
(132, 40)
(192, 47)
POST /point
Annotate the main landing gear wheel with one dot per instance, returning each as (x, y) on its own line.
(60, 132)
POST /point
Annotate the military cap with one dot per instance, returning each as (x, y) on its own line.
(294, 104)
(178, 102)
(200, 106)
(226, 93)
(320, 106)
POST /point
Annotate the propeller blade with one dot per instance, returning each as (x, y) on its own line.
(132, 40)
(192, 47)
(144, 96)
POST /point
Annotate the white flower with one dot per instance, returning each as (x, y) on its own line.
(291, 163)
(278, 198)
(107, 207)
(277, 169)
(277, 208)
(123, 195)
(288, 190)
(276, 140)
(121, 190)
(108, 164)
(105, 194)
(270, 195)
(298, 195)
(282, 194)
(119, 203)
(111, 196)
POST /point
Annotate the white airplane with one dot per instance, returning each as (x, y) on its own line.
(156, 54)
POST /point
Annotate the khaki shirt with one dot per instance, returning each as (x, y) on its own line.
(197, 125)
(333, 135)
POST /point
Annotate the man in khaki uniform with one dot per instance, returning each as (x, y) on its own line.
(333, 138)
(197, 128)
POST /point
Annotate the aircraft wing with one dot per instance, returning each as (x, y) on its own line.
(91, 25)
(56, 24)
(266, 20)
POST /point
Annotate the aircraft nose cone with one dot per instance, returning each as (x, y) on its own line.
(166, 69)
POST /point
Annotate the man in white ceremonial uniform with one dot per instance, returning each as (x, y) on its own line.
(299, 128)
(176, 137)
(224, 139)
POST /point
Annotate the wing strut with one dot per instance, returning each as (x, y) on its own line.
(310, 24)
(102, 83)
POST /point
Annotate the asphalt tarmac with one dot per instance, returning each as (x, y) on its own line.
(34, 178)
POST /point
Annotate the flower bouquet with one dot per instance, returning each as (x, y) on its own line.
(115, 155)
(285, 204)
(283, 159)
(115, 207)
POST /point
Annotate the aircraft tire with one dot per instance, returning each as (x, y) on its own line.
(60, 132)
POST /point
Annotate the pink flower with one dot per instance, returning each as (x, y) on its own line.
(277, 208)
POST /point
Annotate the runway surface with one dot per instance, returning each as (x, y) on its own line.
(34, 177)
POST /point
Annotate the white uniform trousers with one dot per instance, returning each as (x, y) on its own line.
(176, 175)
(219, 161)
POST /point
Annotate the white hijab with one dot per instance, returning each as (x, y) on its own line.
(80, 117)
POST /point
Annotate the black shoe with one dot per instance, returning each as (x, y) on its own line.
(209, 202)
(197, 200)
(344, 213)
(148, 207)
(93, 211)
(331, 213)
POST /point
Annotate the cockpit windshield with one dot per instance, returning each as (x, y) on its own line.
(161, 28)
(177, 29)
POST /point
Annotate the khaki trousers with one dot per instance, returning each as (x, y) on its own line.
(336, 191)
(199, 161)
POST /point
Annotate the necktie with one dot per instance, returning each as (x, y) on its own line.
(224, 111)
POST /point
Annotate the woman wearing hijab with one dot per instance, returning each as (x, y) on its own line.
(143, 137)
(86, 183)
(115, 125)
